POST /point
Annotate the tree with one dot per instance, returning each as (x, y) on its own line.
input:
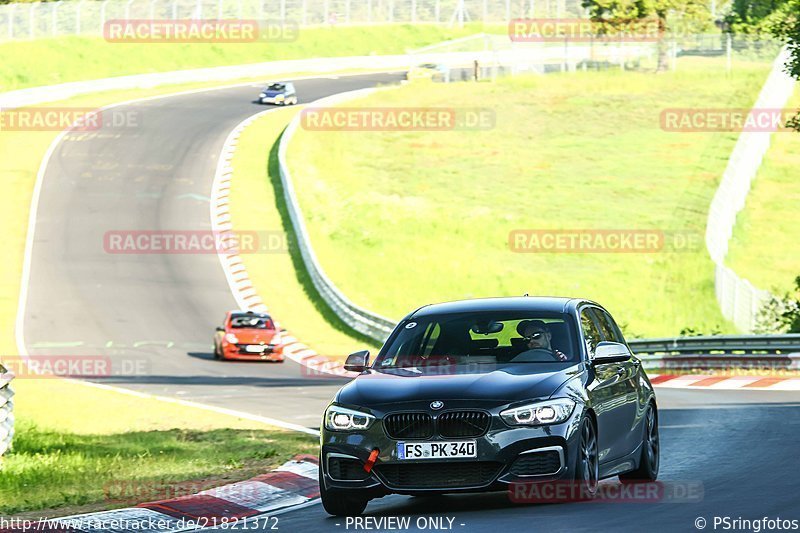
(781, 314)
(677, 17)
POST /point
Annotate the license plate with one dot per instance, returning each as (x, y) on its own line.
(437, 450)
(254, 348)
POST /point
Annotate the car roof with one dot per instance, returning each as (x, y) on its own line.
(552, 304)
(237, 314)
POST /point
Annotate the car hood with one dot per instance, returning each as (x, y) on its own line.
(254, 336)
(507, 383)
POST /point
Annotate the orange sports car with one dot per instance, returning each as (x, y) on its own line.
(249, 336)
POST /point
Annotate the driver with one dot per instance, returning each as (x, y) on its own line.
(537, 337)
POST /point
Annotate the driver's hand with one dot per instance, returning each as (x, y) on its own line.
(561, 355)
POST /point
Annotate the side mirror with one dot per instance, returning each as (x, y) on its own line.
(220, 328)
(357, 362)
(610, 352)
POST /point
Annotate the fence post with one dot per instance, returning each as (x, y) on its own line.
(53, 16)
(485, 10)
(391, 10)
(325, 14)
(283, 11)
(532, 9)
(729, 53)
(347, 11)
(31, 20)
(437, 9)
(508, 10)
(174, 9)
(78, 17)
(369, 11)
(11, 21)
(103, 15)
(303, 13)
(219, 9)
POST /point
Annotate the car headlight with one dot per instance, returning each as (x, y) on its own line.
(262, 95)
(342, 419)
(231, 338)
(539, 413)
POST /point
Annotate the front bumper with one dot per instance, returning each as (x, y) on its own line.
(239, 351)
(496, 466)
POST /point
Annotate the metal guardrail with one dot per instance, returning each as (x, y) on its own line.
(772, 352)
(6, 410)
(719, 344)
(370, 324)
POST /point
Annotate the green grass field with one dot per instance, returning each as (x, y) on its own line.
(64, 59)
(764, 244)
(79, 448)
(432, 211)
(256, 204)
(72, 440)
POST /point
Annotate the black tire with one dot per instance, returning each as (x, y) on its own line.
(341, 503)
(650, 458)
(587, 465)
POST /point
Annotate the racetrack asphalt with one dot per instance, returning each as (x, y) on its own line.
(155, 314)
(733, 452)
(160, 311)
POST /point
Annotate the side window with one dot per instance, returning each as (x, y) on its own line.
(590, 331)
(609, 327)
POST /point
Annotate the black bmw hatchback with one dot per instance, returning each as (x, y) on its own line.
(482, 395)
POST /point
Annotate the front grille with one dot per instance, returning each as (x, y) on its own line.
(457, 424)
(268, 348)
(409, 425)
(438, 475)
(536, 464)
(344, 469)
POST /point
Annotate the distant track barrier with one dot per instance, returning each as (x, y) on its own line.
(6, 409)
(770, 352)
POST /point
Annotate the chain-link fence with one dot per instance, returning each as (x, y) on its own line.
(6, 410)
(87, 17)
(739, 300)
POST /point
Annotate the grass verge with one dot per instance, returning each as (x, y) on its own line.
(433, 210)
(71, 439)
(764, 243)
(80, 448)
(64, 59)
(256, 204)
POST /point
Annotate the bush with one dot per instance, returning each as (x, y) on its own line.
(781, 314)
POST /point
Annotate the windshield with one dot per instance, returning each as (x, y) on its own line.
(481, 338)
(251, 322)
(276, 87)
